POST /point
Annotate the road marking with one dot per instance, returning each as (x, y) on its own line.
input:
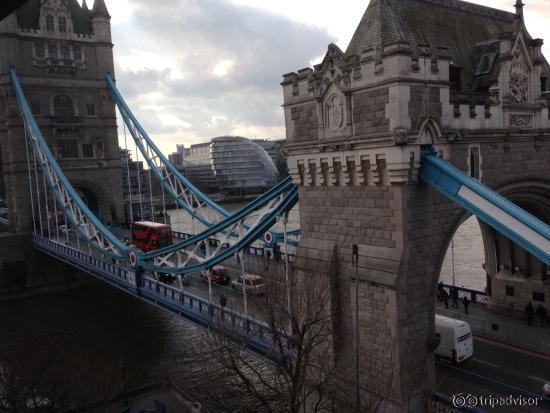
(539, 379)
(486, 362)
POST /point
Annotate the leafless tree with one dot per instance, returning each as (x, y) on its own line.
(301, 319)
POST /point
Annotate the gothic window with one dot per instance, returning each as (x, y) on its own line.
(49, 23)
(90, 109)
(65, 53)
(63, 105)
(39, 50)
(35, 107)
(77, 53)
(67, 148)
(87, 150)
(62, 24)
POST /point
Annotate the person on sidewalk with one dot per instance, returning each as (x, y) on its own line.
(439, 290)
(465, 303)
(445, 297)
(223, 300)
(454, 296)
(530, 313)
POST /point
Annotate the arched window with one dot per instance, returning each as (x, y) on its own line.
(63, 105)
(49, 23)
(62, 21)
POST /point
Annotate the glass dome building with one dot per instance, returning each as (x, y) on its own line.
(231, 166)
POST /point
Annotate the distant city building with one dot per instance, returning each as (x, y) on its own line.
(178, 158)
(230, 166)
(138, 191)
(274, 148)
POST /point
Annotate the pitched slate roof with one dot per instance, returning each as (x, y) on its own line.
(28, 16)
(100, 9)
(458, 25)
(455, 24)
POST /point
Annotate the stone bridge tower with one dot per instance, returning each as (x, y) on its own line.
(62, 52)
(473, 83)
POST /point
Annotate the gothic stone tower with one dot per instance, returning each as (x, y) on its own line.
(62, 53)
(473, 83)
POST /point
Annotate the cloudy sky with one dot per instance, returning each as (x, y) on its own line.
(195, 69)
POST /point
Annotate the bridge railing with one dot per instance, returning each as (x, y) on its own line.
(250, 250)
(258, 335)
(475, 296)
(494, 330)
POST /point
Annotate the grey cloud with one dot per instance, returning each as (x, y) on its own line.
(203, 32)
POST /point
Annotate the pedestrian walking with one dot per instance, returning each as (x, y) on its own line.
(223, 300)
(465, 303)
(445, 297)
(530, 313)
(439, 290)
(454, 296)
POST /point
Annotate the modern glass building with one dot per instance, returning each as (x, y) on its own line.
(231, 166)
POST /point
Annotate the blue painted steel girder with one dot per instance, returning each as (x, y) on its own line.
(504, 216)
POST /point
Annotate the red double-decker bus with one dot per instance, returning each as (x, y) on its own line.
(150, 236)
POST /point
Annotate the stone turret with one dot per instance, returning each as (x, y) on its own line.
(101, 21)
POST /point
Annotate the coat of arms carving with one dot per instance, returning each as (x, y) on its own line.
(335, 113)
(519, 77)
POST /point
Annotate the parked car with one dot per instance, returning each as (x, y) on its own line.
(254, 284)
(455, 339)
(219, 275)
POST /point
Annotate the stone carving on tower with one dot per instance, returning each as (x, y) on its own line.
(334, 112)
(519, 76)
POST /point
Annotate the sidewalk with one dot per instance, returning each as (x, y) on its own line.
(480, 310)
(500, 328)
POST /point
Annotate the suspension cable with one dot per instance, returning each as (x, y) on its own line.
(47, 207)
(244, 283)
(163, 205)
(139, 184)
(57, 222)
(151, 197)
(38, 197)
(131, 214)
(30, 179)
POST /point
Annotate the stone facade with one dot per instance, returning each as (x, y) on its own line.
(375, 106)
(62, 53)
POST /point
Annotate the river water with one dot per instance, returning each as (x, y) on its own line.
(98, 337)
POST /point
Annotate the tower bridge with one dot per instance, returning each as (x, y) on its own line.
(392, 144)
(467, 81)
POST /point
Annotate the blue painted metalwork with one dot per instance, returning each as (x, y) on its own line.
(279, 189)
(257, 335)
(253, 234)
(56, 180)
(135, 128)
(448, 180)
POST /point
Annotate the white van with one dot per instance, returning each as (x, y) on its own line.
(455, 337)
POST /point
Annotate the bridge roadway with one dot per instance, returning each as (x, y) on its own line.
(497, 370)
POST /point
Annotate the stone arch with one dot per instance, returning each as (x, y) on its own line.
(430, 131)
(92, 195)
(531, 195)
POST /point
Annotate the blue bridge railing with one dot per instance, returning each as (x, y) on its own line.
(258, 336)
